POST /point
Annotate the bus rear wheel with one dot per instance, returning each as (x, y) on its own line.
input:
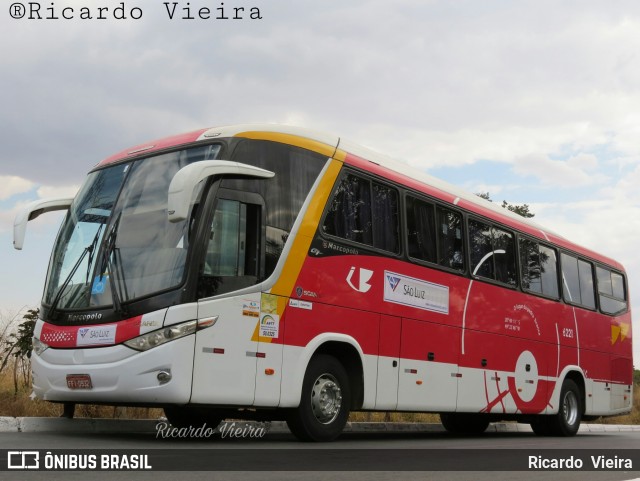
(567, 421)
(464, 423)
(324, 404)
(190, 416)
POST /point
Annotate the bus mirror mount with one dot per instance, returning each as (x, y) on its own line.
(186, 179)
(33, 210)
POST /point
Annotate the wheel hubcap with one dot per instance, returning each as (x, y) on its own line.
(570, 408)
(326, 398)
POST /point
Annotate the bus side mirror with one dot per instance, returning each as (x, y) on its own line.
(30, 212)
(186, 179)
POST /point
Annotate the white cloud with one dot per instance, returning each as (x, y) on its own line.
(574, 172)
(7, 215)
(49, 191)
(12, 185)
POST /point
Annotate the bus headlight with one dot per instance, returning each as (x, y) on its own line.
(38, 346)
(161, 336)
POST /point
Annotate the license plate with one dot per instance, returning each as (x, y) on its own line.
(79, 381)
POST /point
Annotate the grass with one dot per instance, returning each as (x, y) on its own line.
(20, 404)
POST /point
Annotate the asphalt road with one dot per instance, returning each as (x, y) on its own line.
(391, 454)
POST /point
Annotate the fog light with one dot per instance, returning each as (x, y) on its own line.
(38, 346)
(164, 377)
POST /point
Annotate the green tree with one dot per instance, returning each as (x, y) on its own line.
(19, 346)
(520, 209)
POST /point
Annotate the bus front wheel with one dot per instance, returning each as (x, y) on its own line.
(324, 404)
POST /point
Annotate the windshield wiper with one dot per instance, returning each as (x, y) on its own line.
(90, 250)
(108, 263)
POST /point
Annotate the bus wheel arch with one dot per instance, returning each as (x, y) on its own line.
(350, 359)
(324, 403)
(571, 408)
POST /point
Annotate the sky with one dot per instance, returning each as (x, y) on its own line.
(535, 102)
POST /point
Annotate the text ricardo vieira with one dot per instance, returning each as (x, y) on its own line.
(127, 11)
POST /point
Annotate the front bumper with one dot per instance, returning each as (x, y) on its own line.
(119, 375)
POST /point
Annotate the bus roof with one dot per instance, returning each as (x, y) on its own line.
(355, 154)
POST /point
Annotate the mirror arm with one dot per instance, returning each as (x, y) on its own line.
(32, 211)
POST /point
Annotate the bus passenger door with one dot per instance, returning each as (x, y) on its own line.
(269, 331)
(224, 366)
(388, 363)
(227, 353)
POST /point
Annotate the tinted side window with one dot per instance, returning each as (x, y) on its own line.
(570, 279)
(504, 256)
(530, 270)
(538, 268)
(481, 249)
(296, 170)
(492, 253)
(434, 234)
(611, 291)
(585, 270)
(365, 212)
(617, 284)
(549, 270)
(386, 235)
(421, 230)
(349, 215)
(578, 281)
(450, 246)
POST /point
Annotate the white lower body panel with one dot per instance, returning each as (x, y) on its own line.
(118, 374)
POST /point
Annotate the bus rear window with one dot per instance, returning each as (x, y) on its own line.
(611, 291)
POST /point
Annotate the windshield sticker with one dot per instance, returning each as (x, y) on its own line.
(269, 325)
(99, 284)
(412, 292)
(96, 335)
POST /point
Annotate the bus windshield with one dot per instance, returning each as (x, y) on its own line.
(117, 235)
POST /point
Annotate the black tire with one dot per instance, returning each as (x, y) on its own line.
(567, 421)
(464, 423)
(541, 426)
(190, 416)
(325, 401)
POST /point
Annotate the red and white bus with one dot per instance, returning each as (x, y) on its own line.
(270, 272)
